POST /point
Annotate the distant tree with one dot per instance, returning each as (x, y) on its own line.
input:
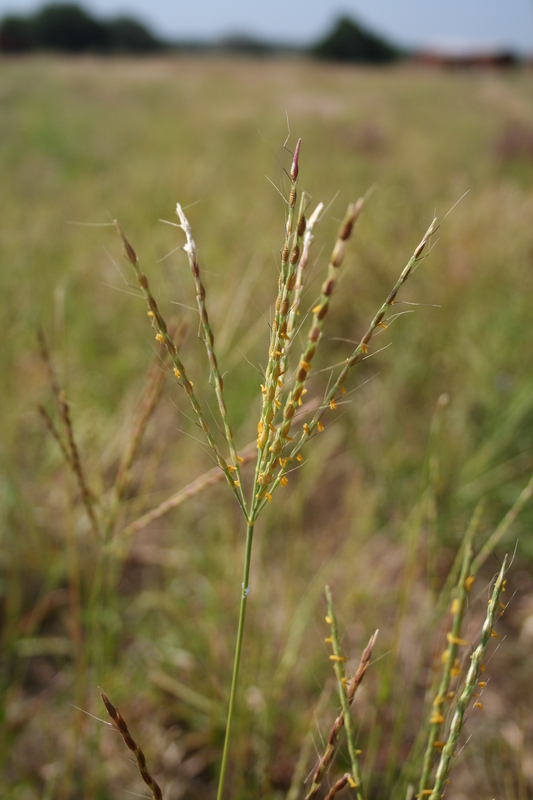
(16, 35)
(129, 36)
(245, 45)
(349, 42)
(68, 28)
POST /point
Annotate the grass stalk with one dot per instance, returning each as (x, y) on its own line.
(133, 746)
(355, 779)
(237, 660)
(467, 693)
(209, 341)
(451, 667)
(333, 737)
(163, 336)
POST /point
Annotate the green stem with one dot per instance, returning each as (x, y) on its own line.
(237, 661)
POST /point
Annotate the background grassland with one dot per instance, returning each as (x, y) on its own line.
(381, 505)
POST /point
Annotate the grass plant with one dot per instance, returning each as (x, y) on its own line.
(277, 453)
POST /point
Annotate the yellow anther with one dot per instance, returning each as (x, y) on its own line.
(329, 620)
(160, 338)
(316, 309)
(240, 459)
(231, 468)
(469, 581)
(280, 383)
(268, 496)
(482, 667)
(272, 428)
(299, 457)
(263, 389)
(319, 426)
(456, 606)
(284, 481)
(478, 705)
(237, 484)
(494, 634)
(455, 639)
(482, 684)
(329, 639)
(438, 745)
(333, 404)
(278, 404)
(337, 658)
(150, 313)
(343, 390)
(177, 373)
(364, 348)
(306, 428)
(436, 719)
(382, 325)
(352, 783)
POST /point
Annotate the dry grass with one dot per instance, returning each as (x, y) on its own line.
(123, 137)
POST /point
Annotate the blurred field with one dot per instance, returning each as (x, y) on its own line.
(379, 509)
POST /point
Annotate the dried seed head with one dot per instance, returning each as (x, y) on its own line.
(288, 413)
(285, 254)
(295, 254)
(315, 333)
(294, 168)
(353, 212)
(327, 288)
(285, 428)
(276, 447)
(290, 282)
(278, 303)
(284, 307)
(338, 253)
(301, 226)
(419, 250)
(292, 198)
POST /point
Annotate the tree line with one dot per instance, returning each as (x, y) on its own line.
(68, 28)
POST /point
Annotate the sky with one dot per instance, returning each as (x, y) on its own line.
(412, 23)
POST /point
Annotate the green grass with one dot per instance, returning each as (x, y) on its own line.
(92, 140)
